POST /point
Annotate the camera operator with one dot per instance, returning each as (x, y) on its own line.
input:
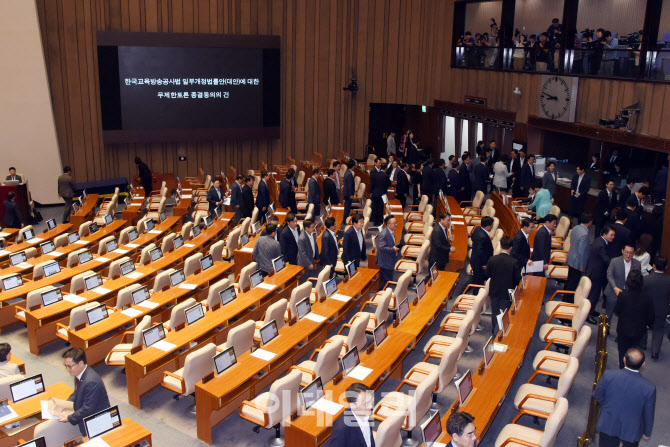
(520, 52)
(597, 51)
(545, 54)
(494, 28)
(610, 44)
(555, 32)
(479, 51)
(531, 52)
(468, 42)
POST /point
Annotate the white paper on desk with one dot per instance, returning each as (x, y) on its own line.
(536, 266)
(132, 245)
(74, 299)
(164, 345)
(337, 208)
(3, 234)
(263, 354)
(120, 251)
(155, 231)
(98, 442)
(46, 414)
(456, 222)
(395, 206)
(4, 252)
(314, 317)
(102, 259)
(340, 297)
(247, 249)
(396, 214)
(100, 290)
(359, 372)
(148, 304)
(189, 245)
(457, 216)
(55, 253)
(187, 286)
(327, 406)
(24, 265)
(187, 196)
(80, 242)
(36, 239)
(11, 415)
(187, 190)
(134, 275)
(280, 213)
(130, 312)
(266, 286)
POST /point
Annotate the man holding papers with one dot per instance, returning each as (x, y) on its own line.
(542, 243)
(504, 275)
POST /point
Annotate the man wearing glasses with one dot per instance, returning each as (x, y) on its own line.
(90, 395)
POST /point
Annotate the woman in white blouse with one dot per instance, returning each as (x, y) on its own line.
(642, 253)
(500, 173)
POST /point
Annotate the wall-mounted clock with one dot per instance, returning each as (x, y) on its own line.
(558, 97)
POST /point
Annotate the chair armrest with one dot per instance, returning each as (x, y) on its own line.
(561, 328)
(18, 309)
(567, 292)
(174, 376)
(62, 326)
(518, 441)
(546, 359)
(465, 201)
(127, 334)
(316, 351)
(472, 285)
(345, 325)
(260, 408)
(305, 370)
(407, 382)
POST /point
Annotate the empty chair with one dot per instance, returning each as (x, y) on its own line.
(560, 309)
(192, 264)
(124, 299)
(22, 231)
(77, 284)
(465, 301)
(142, 225)
(398, 294)
(550, 332)
(453, 321)
(216, 250)
(33, 301)
(73, 258)
(241, 338)
(168, 243)
(231, 244)
(60, 241)
(124, 237)
(414, 266)
(553, 364)
(196, 365)
(244, 281)
(115, 267)
(438, 343)
(271, 409)
(213, 296)
(326, 365)
(355, 338)
(38, 270)
(177, 316)
(475, 203)
(117, 356)
(388, 432)
(244, 226)
(381, 313)
(56, 433)
(162, 280)
(102, 245)
(560, 232)
(77, 317)
(84, 230)
(418, 209)
(318, 291)
(145, 257)
(297, 294)
(186, 231)
(200, 215)
(274, 312)
(514, 434)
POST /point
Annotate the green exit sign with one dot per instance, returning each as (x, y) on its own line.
(423, 109)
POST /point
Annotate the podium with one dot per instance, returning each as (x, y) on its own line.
(21, 199)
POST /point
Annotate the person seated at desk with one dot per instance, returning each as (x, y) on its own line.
(353, 428)
(90, 395)
(541, 201)
(12, 175)
(462, 430)
(266, 249)
(6, 368)
(12, 217)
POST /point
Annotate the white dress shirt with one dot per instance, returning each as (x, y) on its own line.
(365, 428)
(334, 237)
(627, 266)
(579, 182)
(361, 243)
(294, 231)
(311, 241)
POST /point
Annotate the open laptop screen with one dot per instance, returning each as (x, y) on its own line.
(488, 351)
(153, 334)
(403, 309)
(206, 262)
(194, 313)
(195, 231)
(72, 237)
(224, 360)
(51, 269)
(18, 257)
(464, 386)
(330, 287)
(209, 221)
(93, 281)
(111, 246)
(421, 289)
(150, 225)
(278, 263)
(96, 314)
(127, 267)
(155, 254)
(109, 219)
(93, 228)
(85, 256)
(140, 294)
(227, 295)
(51, 224)
(380, 334)
(28, 235)
(431, 430)
(37, 442)
(256, 278)
(434, 272)
(269, 332)
(12, 282)
(177, 278)
(303, 308)
(178, 242)
(351, 269)
(350, 360)
(102, 422)
(133, 234)
(51, 296)
(312, 392)
(47, 247)
(25, 388)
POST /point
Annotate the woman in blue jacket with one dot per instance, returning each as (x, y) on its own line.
(542, 200)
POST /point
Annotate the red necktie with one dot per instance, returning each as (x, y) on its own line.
(76, 382)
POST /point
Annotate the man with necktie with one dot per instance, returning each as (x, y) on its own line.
(214, 196)
(263, 197)
(329, 249)
(440, 243)
(387, 251)
(236, 198)
(308, 250)
(354, 242)
(12, 175)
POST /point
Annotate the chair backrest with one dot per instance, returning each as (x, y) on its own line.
(298, 294)
(245, 281)
(102, 245)
(200, 215)
(60, 241)
(583, 290)
(77, 283)
(477, 308)
(142, 225)
(35, 297)
(496, 224)
(197, 365)
(78, 314)
(83, 228)
(301, 178)
(389, 431)
(276, 312)
(360, 192)
(327, 365)
(216, 250)
(115, 267)
(145, 323)
(38, 270)
(168, 243)
(428, 212)
(357, 182)
(422, 203)
(144, 255)
(178, 316)
(162, 280)
(321, 278)
(425, 249)
(562, 227)
(479, 198)
(582, 314)
(123, 236)
(232, 241)
(555, 210)
(566, 242)
(357, 335)
(19, 237)
(192, 263)
(581, 343)
(567, 378)
(208, 182)
(402, 286)
(285, 398)
(73, 258)
(254, 217)
(56, 433)
(382, 311)
(186, 230)
(241, 338)
(465, 329)
(448, 365)
(421, 401)
(244, 228)
(125, 297)
(554, 423)
(5, 392)
(213, 292)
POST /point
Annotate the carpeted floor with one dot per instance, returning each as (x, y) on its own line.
(172, 425)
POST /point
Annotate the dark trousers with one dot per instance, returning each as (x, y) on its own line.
(261, 215)
(478, 276)
(317, 210)
(385, 275)
(403, 201)
(238, 215)
(497, 304)
(377, 216)
(574, 276)
(347, 209)
(612, 441)
(597, 286)
(68, 209)
(657, 334)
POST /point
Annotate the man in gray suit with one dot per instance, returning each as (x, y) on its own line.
(308, 250)
(387, 251)
(657, 286)
(90, 394)
(266, 249)
(66, 192)
(578, 255)
(617, 272)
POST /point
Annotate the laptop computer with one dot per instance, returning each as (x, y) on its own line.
(52, 296)
(303, 308)
(269, 332)
(150, 224)
(421, 289)
(155, 254)
(177, 277)
(489, 351)
(127, 267)
(256, 278)
(206, 262)
(18, 257)
(330, 287)
(380, 334)
(25, 388)
(93, 228)
(178, 242)
(351, 269)
(403, 309)
(153, 335)
(140, 294)
(434, 272)
(278, 264)
(312, 393)
(111, 246)
(93, 281)
(464, 386)
(431, 430)
(350, 360)
(257, 227)
(133, 234)
(224, 360)
(12, 282)
(194, 313)
(209, 221)
(109, 219)
(37, 442)
(51, 224)
(51, 269)
(161, 216)
(196, 231)
(72, 237)
(244, 239)
(227, 295)
(97, 313)
(102, 422)
(84, 256)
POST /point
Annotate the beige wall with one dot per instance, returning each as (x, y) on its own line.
(620, 16)
(536, 15)
(27, 132)
(478, 16)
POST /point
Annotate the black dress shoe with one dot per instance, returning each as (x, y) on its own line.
(591, 320)
(654, 356)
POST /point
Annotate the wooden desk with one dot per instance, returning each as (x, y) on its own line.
(128, 435)
(244, 256)
(85, 211)
(34, 242)
(313, 427)
(144, 370)
(9, 233)
(15, 360)
(222, 396)
(490, 388)
(28, 408)
(508, 220)
(21, 199)
(131, 212)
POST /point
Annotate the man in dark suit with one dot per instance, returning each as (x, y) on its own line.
(481, 176)
(379, 185)
(579, 189)
(617, 274)
(314, 192)
(513, 168)
(440, 245)
(66, 192)
(348, 189)
(274, 219)
(236, 198)
(288, 239)
(627, 402)
(495, 153)
(263, 197)
(247, 197)
(465, 183)
(461, 428)
(605, 203)
(308, 249)
(215, 196)
(89, 396)
(542, 242)
(402, 185)
(482, 250)
(330, 189)
(454, 181)
(504, 275)
(387, 251)
(12, 175)
(353, 429)
(428, 182)
(623, 235)
(527, 176)
(12, 217)
(516, 168)
(440, 178)
(596, 268)
(521, 247)
(657, 286)
(287, 192)
(633, 222)
(354, 242)
(329, 249)
(626, 192)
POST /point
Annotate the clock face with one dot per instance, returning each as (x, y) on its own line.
(555, 98)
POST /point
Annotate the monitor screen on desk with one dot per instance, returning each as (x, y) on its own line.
(351, 269)
(350, 360)
(227, 295)
(513, 298)
(25, 388)
(155, 254)
(28, 235)
(433, 272)
(51, 224)
(177, 277)
(47, 247)
(256, 278)
(196, 231)
(269, 332)
(431, 430)
(18, 257)
(194, 313)
(12, 182)
(209, 221)
(380, 334)
(109, 219)
(421, 289)
(464, 386)
(72, 237)
(85, 256)
(178, 242)
(503, 321)
(224, 360)
(149, 224)
(257, 227)
(12, 282)
(111, 246)
(93, 281)
(330, 287)
(244, 239)
(303, 308)
(52, 296)
(102, 422)
(278, 264)
(403, 309)
(153, 334)
(97, 313)
(51, 269)
(37, 442)
(161, 216)
(206, 262)
(140, 294)
(93, 228)
(133, 234)
(127, 267)
(312, 392)
(488, 351)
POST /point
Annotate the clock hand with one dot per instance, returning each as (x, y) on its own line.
(555, 98)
